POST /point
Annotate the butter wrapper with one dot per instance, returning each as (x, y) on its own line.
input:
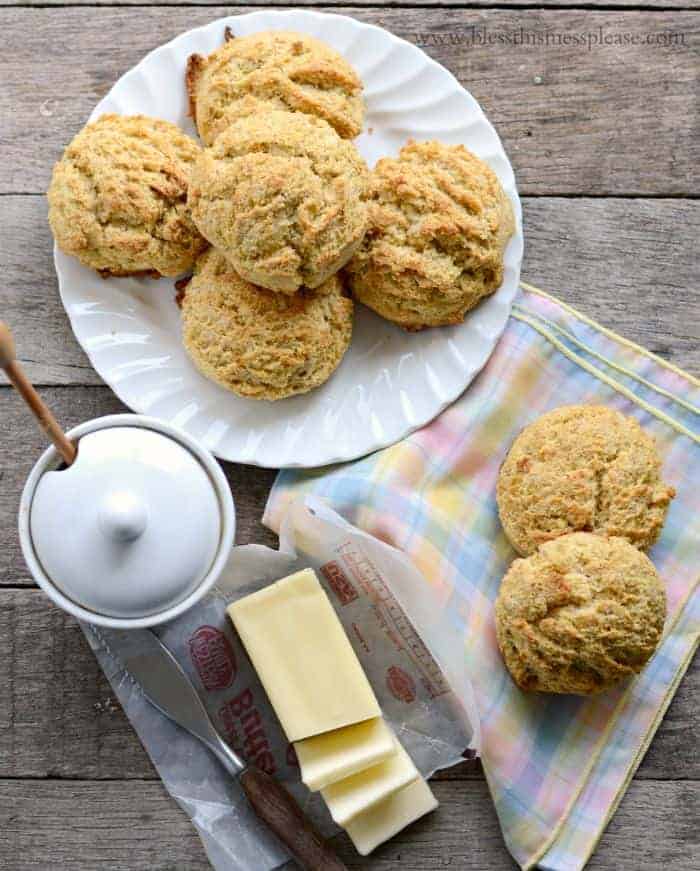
(414, 662)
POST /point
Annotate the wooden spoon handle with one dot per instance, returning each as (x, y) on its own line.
(276, 807)
(8, 362)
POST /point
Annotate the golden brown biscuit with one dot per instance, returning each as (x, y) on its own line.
(258, 343)
(118, 197)
(283, 197)
(273, 70)
(439, 224)
(581, 614)
(582, 467)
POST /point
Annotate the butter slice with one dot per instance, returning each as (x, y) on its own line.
(333, 756)
(303, 657)
(386, 819)
(354, 795)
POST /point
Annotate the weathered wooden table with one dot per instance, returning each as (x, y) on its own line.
(599, 111)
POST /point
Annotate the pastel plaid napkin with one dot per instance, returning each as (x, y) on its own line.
(557, 766)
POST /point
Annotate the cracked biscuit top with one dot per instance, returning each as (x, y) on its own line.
(439, 225)
(582, 468)
(118, 197)
(579, 615)
(260, 344)
(281, 69)
(282, 196)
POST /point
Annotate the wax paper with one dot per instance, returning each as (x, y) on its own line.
(413, 661)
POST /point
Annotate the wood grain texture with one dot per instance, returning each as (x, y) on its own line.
(432, 4)
(127, 826)
(630, 264)
(276, 807)
(59, 718)
(615, 119)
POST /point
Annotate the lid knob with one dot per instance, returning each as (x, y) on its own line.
(122, 516)
(142, 522)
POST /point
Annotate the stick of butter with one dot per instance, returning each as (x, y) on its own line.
(303, 657)
(333, 756)
(386, 819)
(354, 795)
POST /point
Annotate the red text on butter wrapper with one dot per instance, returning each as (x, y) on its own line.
(213, 657)
(245, 731)
(339, 583)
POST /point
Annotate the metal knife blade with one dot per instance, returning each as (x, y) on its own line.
(169, 689)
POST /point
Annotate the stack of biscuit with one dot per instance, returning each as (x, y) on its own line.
(277, 215)
(580, 497)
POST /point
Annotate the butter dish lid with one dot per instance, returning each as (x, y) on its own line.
(132, 527)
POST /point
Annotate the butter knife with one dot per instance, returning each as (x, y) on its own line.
(167, 687)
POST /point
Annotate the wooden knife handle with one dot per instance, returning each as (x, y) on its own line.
(276, 807)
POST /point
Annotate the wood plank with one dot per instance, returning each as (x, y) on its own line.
(129, 826)
(630, 264)
(615, 119)
(59, 718)
(554, 4)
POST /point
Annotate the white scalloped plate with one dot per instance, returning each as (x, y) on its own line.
(390, 382)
